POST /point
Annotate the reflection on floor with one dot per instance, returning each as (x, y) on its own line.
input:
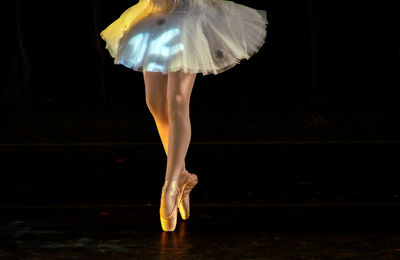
(224, 231)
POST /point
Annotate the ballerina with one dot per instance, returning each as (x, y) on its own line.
(170, 41)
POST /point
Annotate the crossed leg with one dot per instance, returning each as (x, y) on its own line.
(168, 99)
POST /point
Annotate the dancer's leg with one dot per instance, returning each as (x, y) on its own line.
(156, 100)
(179, 89)
(178, 95)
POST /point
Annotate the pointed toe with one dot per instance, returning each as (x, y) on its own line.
(169, 200)
(184, 202)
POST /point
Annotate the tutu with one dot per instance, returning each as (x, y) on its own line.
(195, 36)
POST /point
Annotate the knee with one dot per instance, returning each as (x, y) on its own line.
(178, 106)
(159, 110)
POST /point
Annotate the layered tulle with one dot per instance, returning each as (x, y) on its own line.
(196, 36)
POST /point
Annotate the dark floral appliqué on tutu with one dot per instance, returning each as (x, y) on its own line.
(161, 21)
(219, 54)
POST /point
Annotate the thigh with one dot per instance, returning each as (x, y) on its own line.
(156, 88)
(180, 86)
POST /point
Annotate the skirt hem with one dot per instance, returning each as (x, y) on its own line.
(205, 72)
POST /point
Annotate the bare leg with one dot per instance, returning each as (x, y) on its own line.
(179, 89)
(156, 98)
(169, 104)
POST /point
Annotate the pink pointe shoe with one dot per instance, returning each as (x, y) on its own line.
(169, 199)
(184, 200)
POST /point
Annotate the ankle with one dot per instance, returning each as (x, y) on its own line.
(170, 183)
(180, 179)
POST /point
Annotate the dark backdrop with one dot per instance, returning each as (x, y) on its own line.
(54, 53)
(344, 148)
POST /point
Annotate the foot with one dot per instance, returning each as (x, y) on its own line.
(171, 193)
(168, 205)
(184, 201)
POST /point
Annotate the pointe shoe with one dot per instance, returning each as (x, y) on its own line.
(184, 200)
(169, 199)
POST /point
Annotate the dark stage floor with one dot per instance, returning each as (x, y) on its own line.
(278, 179)
(223, 231)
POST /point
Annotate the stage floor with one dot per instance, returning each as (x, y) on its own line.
(214, 231)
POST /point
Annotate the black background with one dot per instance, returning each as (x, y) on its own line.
(54, 51)
(312, 117)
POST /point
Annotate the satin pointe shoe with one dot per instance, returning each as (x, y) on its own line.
(184, 200)
(168, 205)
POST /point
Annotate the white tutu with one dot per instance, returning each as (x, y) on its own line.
(196, 36)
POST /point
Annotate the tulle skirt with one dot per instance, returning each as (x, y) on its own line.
(197, 36)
